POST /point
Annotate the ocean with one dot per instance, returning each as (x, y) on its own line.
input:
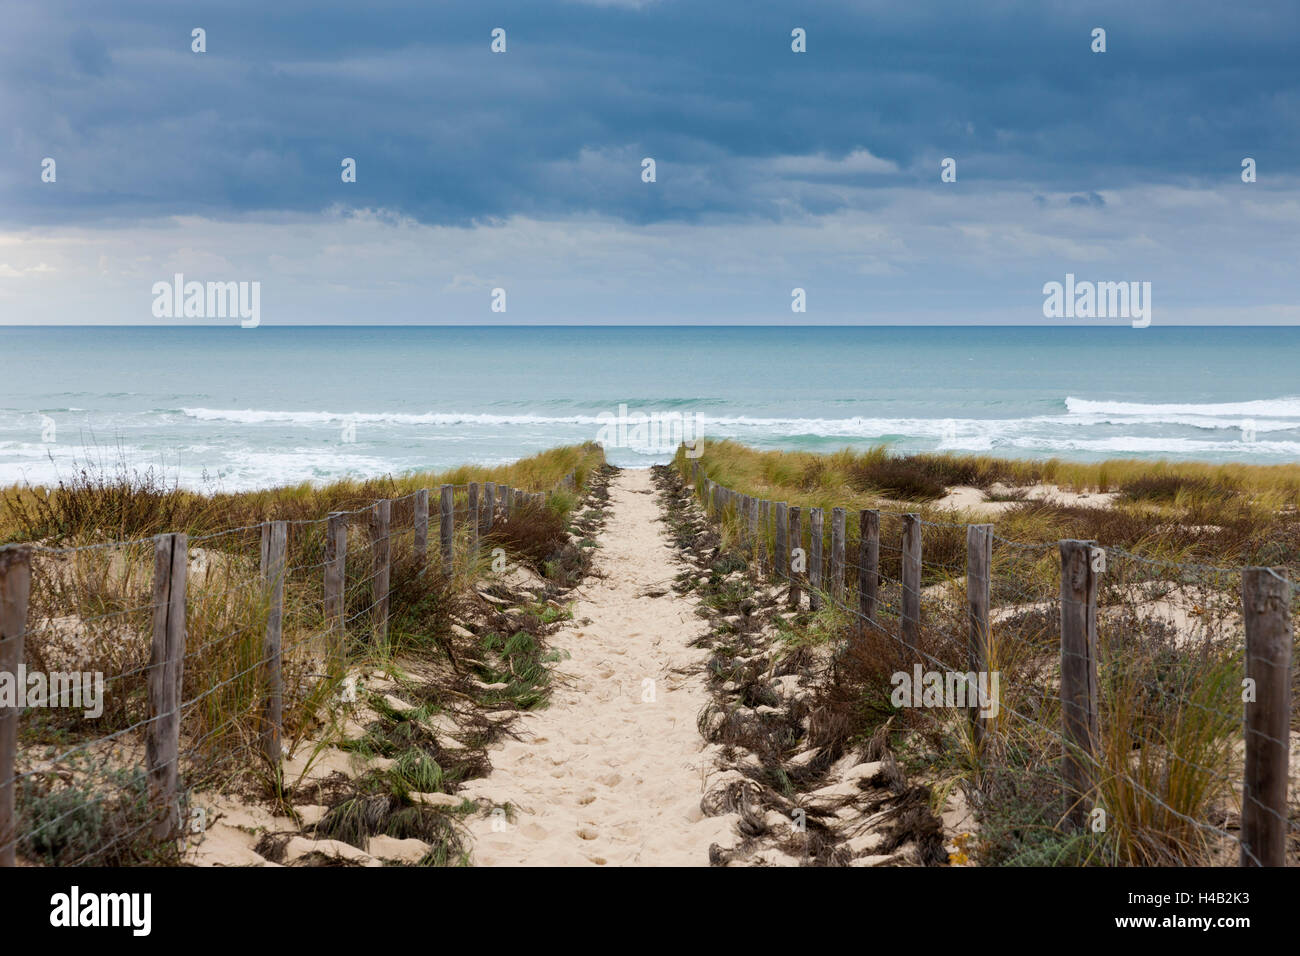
(225, 408)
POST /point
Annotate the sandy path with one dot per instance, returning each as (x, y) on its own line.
(603, 776)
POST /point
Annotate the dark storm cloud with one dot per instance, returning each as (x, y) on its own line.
(447, 132)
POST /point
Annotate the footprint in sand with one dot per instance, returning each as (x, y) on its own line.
(621, 773)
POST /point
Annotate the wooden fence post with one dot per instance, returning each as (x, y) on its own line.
(447, 527)
(471, 521)
(837, 555)
(868, 563)
(912, 581)
(489, 504)
(422, 525)
(764, 523)
(1079, 583)
(754, 543)
(979, 561)
(781, 559)
(815, 559)
(1266, 603)
(336, 555)
(166, 672)
(15, 586)
(796, 544)
(380, 512)
(695, 473)
(275, 539)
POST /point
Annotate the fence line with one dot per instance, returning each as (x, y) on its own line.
(1140, 585)
(152, 695)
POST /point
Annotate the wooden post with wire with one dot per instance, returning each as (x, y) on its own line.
(911, 581)
(868, 563)
(422, 525)
(1081, 566)
(447, 526)
(336, 555)
(381, 563)
(275, 540)
(796, 545)
(15, 589)
(166, 672)
(979, 560)
(1266, 603)
(815, 558)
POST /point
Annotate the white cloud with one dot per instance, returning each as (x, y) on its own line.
(858, 162)
(892, 254)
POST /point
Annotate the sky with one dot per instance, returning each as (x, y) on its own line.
(522, 170)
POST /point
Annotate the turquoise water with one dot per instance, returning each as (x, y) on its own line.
(239, 408)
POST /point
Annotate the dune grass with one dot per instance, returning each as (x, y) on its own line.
(121, 503)
(1167, 764)
(1220, 514)
(90, 611)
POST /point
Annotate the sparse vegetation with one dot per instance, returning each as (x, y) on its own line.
(1168, 760)
(91, 610)
(1186, 511)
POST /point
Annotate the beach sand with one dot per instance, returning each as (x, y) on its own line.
(613, 770)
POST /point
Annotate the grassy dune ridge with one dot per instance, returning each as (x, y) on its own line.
(120, 503)
(1176, 511)
(91, 611)
(1168, 761)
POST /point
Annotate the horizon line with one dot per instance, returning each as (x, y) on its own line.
(638, 325)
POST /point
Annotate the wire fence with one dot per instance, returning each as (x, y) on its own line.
(1098, 705)
(135, 673)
